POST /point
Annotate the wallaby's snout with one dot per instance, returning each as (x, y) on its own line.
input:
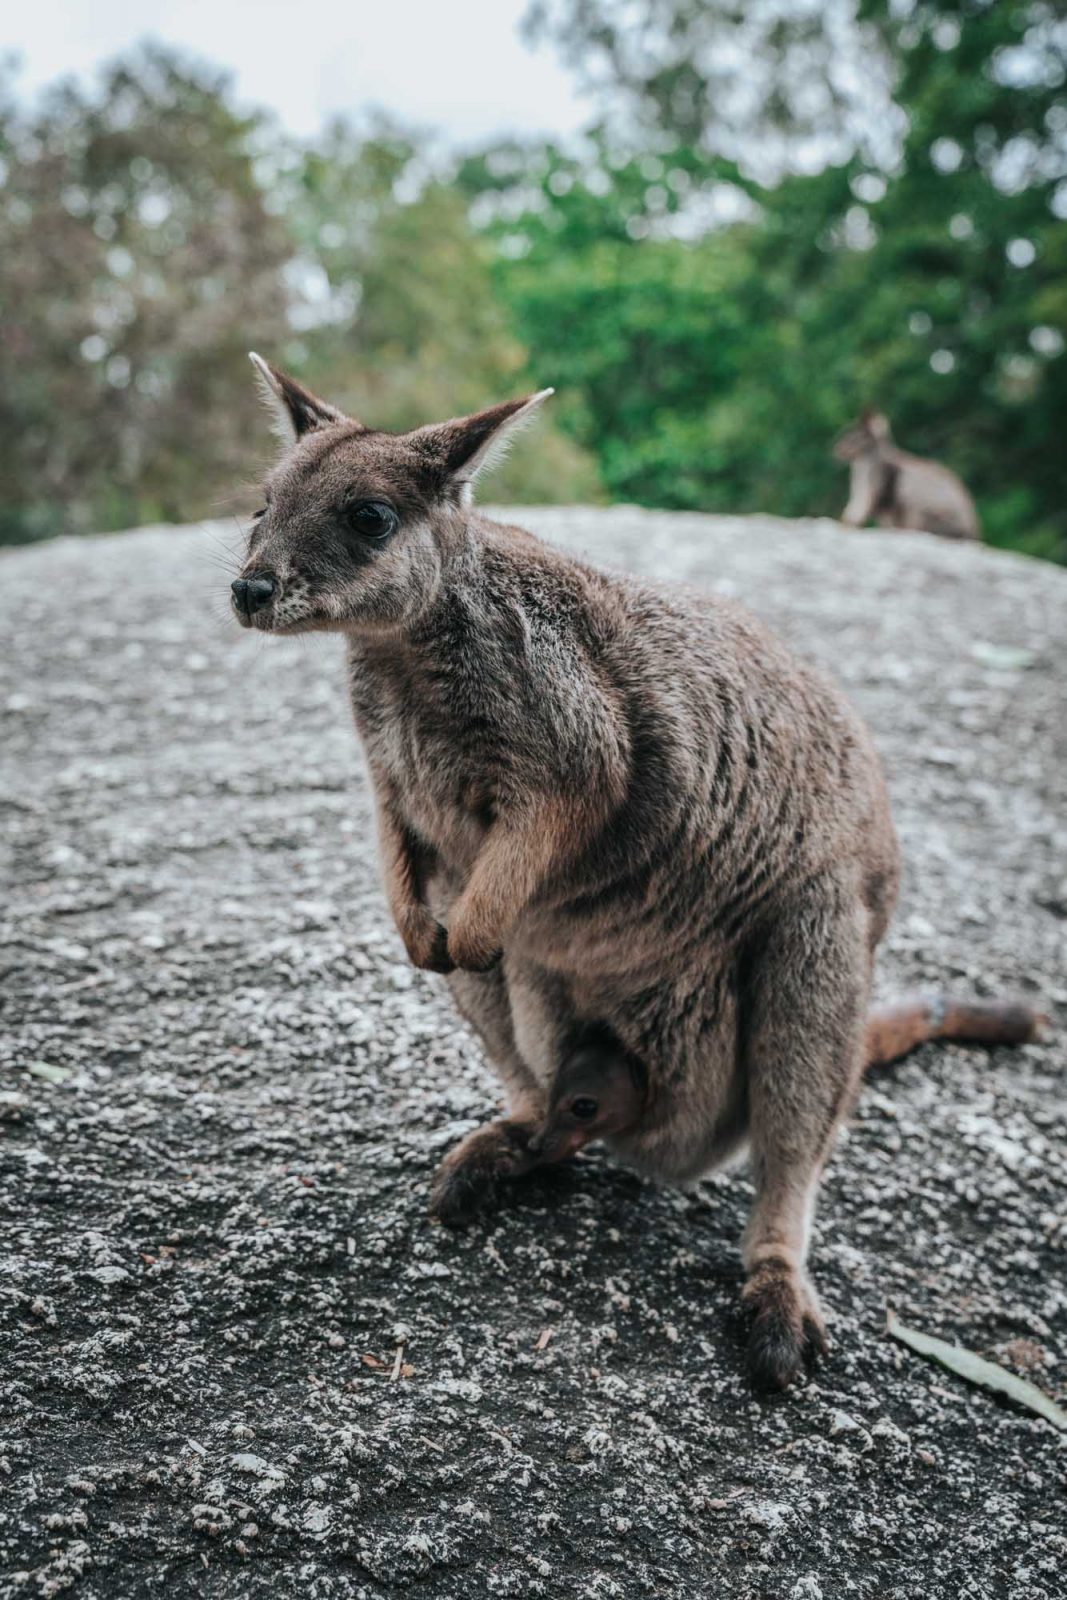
(252, 593)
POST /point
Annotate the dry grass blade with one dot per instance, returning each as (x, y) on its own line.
(976, 1369)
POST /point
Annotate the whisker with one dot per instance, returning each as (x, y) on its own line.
(217, 540)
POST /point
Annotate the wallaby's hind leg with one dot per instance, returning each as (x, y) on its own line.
(468, 1179)
(806, 1001)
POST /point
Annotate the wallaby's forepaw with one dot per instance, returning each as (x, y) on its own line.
(470, 954)
(787, 1330)
(426, 943)
(468, 1180)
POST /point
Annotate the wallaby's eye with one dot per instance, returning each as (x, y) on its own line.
(372, 519)
(262, 512)
(584, 1107)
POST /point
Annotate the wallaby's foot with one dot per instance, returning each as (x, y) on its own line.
(468, 1180)
(787, 1329)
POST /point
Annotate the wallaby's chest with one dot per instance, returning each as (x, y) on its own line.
(441, 753)
(874, 480)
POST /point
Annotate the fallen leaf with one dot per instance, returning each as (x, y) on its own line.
(976, 1369)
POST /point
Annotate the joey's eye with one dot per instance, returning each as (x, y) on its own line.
(584, 1107)
(372, 519)
(262, 512)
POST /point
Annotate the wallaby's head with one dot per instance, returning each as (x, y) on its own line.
(357, 525)
(864, 436)
(600, 1090)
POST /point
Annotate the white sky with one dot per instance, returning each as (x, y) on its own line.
(455, 65)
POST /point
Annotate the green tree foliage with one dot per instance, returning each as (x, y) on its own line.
(970, 241)
(930, 280)
(398, 319)
(642, 334)
(788, 212)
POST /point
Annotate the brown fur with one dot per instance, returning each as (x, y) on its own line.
(613, 1086)
(895, 1029)
(645, 825)
(898, 490)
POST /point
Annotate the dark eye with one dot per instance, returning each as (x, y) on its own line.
(372, 519)
(584, 1107)
(262, 512)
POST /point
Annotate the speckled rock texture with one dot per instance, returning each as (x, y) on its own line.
(239, 1360)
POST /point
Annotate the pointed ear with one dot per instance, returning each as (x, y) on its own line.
(295, 410)
(466, 446)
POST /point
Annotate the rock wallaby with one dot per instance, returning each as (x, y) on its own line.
(899, 490)
(651, 849)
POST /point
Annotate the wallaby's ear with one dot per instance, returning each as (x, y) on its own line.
(295, 410)
(466, 446)
(876, 424)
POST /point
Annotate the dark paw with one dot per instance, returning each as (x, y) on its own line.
(776, 1352)
(426, 943)
(477, 963)
(462, 1194)
(786, 1331)
(472, 949)
(469, 1182)
(438, 959)
(816, 1344)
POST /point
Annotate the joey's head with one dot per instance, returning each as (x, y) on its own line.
(863, 437)
(358, 525)
(598, 1091)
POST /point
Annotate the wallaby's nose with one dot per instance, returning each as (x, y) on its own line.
(252, 594)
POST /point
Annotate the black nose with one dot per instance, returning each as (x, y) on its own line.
(252, 594)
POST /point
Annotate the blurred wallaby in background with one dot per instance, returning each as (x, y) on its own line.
(899, 490)
(650, 847)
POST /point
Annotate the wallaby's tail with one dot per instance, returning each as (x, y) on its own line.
(900, 1025)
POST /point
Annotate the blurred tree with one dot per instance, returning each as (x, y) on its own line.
(961, 315)
(931, 281)
(137, 262)
(714, 280)
(775, 85)
(397, 317)
(150, 234)
(642, 333)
